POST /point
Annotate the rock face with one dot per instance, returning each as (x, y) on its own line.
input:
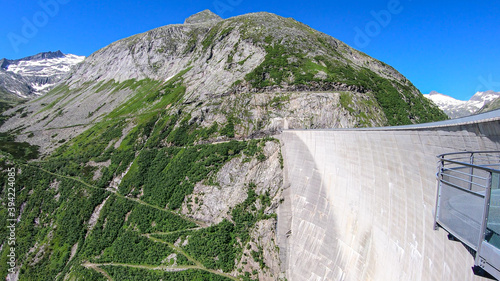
(213, 203)
(203, 16)
(457, 108)
(35, 75)
(14, 86)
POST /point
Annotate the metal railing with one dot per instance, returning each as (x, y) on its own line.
(468, 204)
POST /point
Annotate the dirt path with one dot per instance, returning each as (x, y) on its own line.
(98, 269)
(198, 264)
(175, 231)
(197, 222)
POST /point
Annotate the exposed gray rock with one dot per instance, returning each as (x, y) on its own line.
(212, 204)
(95, 215)
(73, 251)
(14, 85)
(203, 16)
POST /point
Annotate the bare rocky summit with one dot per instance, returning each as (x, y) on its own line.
(203, 16)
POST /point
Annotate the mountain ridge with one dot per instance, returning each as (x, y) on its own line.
(215, 60)
(38, 56)
(34, 75)
(458, 108)
(203, 16)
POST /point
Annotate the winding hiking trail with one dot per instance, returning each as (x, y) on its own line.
(139, 201)
(198, 264)
(97, 266)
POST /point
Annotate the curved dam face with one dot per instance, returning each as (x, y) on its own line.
(359, 204)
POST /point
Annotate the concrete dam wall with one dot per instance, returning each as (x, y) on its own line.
(359, 204)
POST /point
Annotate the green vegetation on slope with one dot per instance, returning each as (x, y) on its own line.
(167, 175)
(74, 225)
(8, 145)
(7, 103)
(218, 246)
(287, 66)
(140, 274)
(55, 212)
(18, 150)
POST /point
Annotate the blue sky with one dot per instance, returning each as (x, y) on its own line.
(448, 46)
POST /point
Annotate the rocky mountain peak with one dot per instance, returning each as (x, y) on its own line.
(43, 55)
(203, 16)
(34, 75)
(485, 96)
(4, 63)
(171, 127)
(458, 108)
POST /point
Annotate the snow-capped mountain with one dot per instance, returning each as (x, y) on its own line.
(35, 75)
(458, 108)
